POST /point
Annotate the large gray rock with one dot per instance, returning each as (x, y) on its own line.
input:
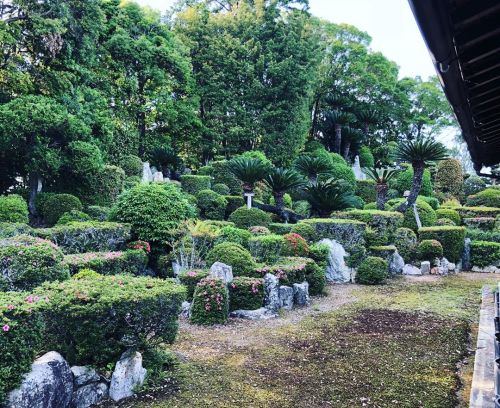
(83, 375)
(286, 297)
(486, 269)
(425, 267)
(89, 394)
(301, 294)
(186, 309)
(147, 174)
(129, 374)
(411, 270)
(466, 259)
(396, 263)
(258, 314)
(443, 266)
(222, 271)
(49, 384)
(272, 292)
(158, 177)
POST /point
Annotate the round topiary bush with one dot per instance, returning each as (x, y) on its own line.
(473, 185)
(306, 231)
(372, 271)
(221, 189)
(295, 245)
(210, 302)
(154, 211)
(246, 293)
(86, 274)
(404, 181)
(107, 184)
(266, 248)
(430, 250)
(343, 172)
(426, 213)
(130, 182)
(445, 222)
(248, 217)
(366, 158)
(192, 184)
(97, 212)
(448, 213)
(72, 216)
(58, 204)
(131, 165)
(211, 204)
(406, 242)
(236, 235)
(449, 178)
(366, 190)
(234, 255)
(190, 279)
(13, 208)
(334, 158)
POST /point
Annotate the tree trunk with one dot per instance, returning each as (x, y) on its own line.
(347, 148)
(141, 116)
(35, 186)
(381, 195)
(279, 201)
(338, 138)
(316, 107)
(285, 215)
(418, 174)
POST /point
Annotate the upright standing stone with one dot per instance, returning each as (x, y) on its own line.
(466, 263)
(425, 267)
(158, 177)
(286, 297)
(222, 271)
(272, 292)
(301, 294)
(396, 263)
(89, 395)
(147, 175)
(128, 375)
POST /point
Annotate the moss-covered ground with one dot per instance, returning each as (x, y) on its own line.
(398, 345)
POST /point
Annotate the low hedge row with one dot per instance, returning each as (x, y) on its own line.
(471, 212)
(384, 222)
(451, 238)
(131, 261)
(347, 232)
(484, 253)
(192, 184)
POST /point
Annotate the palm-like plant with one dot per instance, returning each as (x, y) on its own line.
(337, 120)
(166, 160)
(351, 136)
(280, 181)
(312, 167)
(367, 117)
(328, 196)
(381, 178)
(419, 153)
(249, 171)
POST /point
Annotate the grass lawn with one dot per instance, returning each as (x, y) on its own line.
(399, 345)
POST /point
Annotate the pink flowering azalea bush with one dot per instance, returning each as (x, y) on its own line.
(246, 293)
(140, 245)
(295, 245)
(210, 302)
(190, 279)
(132, 261)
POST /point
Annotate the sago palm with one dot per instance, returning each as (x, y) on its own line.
(381, 178)
(419, 153)
(248, 170)
(337, 120)
(312, 167)
(280, 181)
(328, 196)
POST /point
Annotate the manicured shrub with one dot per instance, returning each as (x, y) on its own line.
(451, 238)
(295, 245)
(107, 184)
(234, 255)
(471, 212)
(84, 159)
(58, 204)
(334, 158)
(366, 158)
(370, 206)
(211, 204)
(403, 182)
(473, 185)
(221, 174)
(320, 254)
(266, 248)
(233, 234)
(248, 217)
(485, 253)
(131, 165)
(86, 274)
(450, 214)
(315, 276)
(449, 178)
(27, 261)
(221, 189)
(429, 250)
(483, 223)
(445, 222)
(258, 230)
(190, 279)
(288, 270)
(73, 216)
(405, 240)
(154, 210)
(343, 172)
(192, 184)
(210, 302)
(91, 236)
(372, 271)
(120, 312)
(480, 235)
(451, 203)
(349, 233)
(374, 238)
(9, 229)
(13, 208)
(97, 212)
(384, 223)
(233, 203)
(426, 213)
(366, 190)
(142, 245)
(486, 198)
(21, 338)
(130, 182)
(306, 231)
(280, 228)
(132, 261)
(219, 223)
(357, 203)
(432, 201)
(246, 293)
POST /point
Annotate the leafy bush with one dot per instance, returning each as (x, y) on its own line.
(450, 178)
(233, 234)
(107, 184)
(258, 230)
(280, 228)
(142, 245)
(486, 198)
(430, 250)
(295, 245)
(120, 312)
(234, 255)
(288, 270)
(471, 212)
(432, 201)
(131, 165)
(302, 207)
(451, 203)
(233, 203)
(445, 222)
(13, 208)
(484, 253)
(480, 235)
(190, 279)
(210, 302)
(334, 158)
(366, 190)
(154, 210)
(375, 238)
(73, 216)
(246, 293)
(473, 185)
(266, 248)
(344, 172)
(372, 271)
(221, 174)
(193, 184)
(383, 222)
(86, 274)
(130, 182)
(211, 204)
(451, 238)
(450, 214)
(78, 237)
(58, 204)
(426, 213)
(403, 182)
(484, 223)
(9, 229)
(132, 261)
(315, 276)
(98, 213)
(349, 233)
(221, 189)
(320, 254)
(248, 217)
(306, 231)
(366, 158)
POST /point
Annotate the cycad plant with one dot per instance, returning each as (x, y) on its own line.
(249, 171)
(328, 196)
(337, 120)
(166, 160)
(381, 178)
(419, 153)
(280, 181)
(312, 167)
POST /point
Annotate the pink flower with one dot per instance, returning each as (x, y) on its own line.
(11, 307)
(29, 299)
(36, 298)
(6, 328)
(191, 274)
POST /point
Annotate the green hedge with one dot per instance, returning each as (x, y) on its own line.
(131, 261)
(280, 228)
(27, 261)
(120, 312)
(486, 198)
(372, 271)
(366, 190)
(58, 204)
(449, 214)
(9, 229)
(246, 293)
(233, 255)
(92, 236)
(210, 302)
(347, 232)
(451, 238)
(193, 184)
(485, 253)
(483, 223)
(425, 211)
(233, 234)
(480, 235)
(107, 185)
(244, 217)
(266, 248)
(406, 242)
(429, 250)
(190, 279)
(306, 231)
(384, 222)
(211, 204)
(471, 212)
(13, 208)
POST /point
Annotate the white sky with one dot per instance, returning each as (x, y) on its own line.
(390, 23)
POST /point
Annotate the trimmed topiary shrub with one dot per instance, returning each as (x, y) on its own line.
(233, 234)
(426, 213)
(473, 185)
(486, 198)
(193, 184)
(221, 189)
(384, 222)
(248, 217)
(295, 245)
(233, 203)
(366, 158)
(246, 293)
(234, 255)
(366, 190)
(154, 211)
(343, 172)
(27, 261)
(73, 216)
(404, 180)
(485, 253)
(316, 278)
(450, 214)
(334, 158)
(349, 233)
(288, 270)
(210, 302)
(130, 182)
(472, 212)
(132, 261)
(451, 238)
(306, 231)
(266, 248)
(482, 223)
(429, 250)
(320, 254)
(406, 241)
(280, 228)
(131, 165)
(58, 204)
(13, 208)
(372, 271)
(9, 229)
(190, 279)
(120, 312)
(258, 230)
(479, 235)
(445, 222)
(432, 201)
(86, 274)
(374, 238)
(98, 213)
(449, 178)
(221, 174)
(211, 205)
(107, 185)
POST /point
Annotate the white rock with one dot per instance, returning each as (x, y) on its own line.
(129, 374)
(158, 177)
(186, 309)
(258, 314)
(411, 270)
(452, 267)
(147, 174)
(89, 394)
(222, 271)
(486, 269)
(286, 297)
(272, 292)
(301, 294)
(396, 263)
(49, 384)
(83, 375)
(443, 266)
(425, 267)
